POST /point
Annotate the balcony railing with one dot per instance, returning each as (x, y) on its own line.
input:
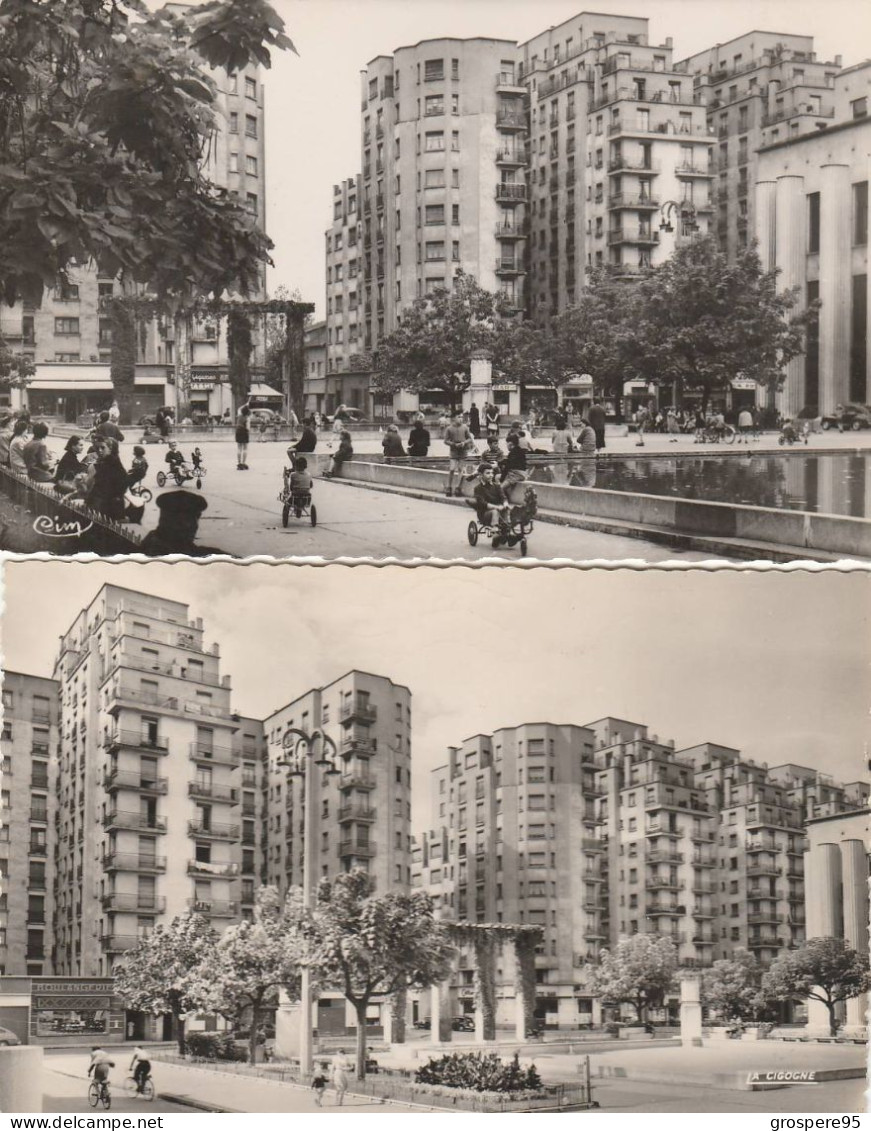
(117, 943)
(213, 755)
(762, 918)
(211, 792)
(138, 741)
(662, 883)
(509, 267)
(632, 165)
(764, 870)
(632, 200)
(123, 901)
(510, 119)
(356, 779)
(356, 848)
(135, 780)
(358, 709)
(212, 831)
(510, 192)
(118, 819)
(660, 907)
(133, 862)
(38, 814)
(356, 813)
(216, 908)
(755, 941)
(665, 856)
(510, 156)
(206, 868)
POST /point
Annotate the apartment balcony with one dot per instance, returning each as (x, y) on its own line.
(510, 193)
(792, 896)
(133, 780)
(655, 829)
(134, 740)
(665, 856)
(34, 849)
(212, 831)
(356, 848)
(658, 907)
(214, 908)
(758, 942)
(632, 165)
(702, 836)
(763, 918)
(144, 904)
(700, 912)
(704, 889)
(703, 938)
(35, 952)
(120, 697)
(115, 944)
(206, 791)
(704, 862)
(174, 669)
(204, 868)
(134, 862)
(511, 158)
(594, 933)
(360, 813)
(797, 849)
(39, 814)
(691, 169)
(762, 846)
(249, 777)
(658, 883)
(509, 267)
(667, 128)
(358, 710)
(763, 870)
(210, 755)
(632, 200)
(357, 744)
(510, 232)
(794, 873)
(508, 83)
(510, 120)
(140, 822)
(356, 779)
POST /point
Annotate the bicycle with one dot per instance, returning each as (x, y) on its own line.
(147, 1091)
(98, 1092)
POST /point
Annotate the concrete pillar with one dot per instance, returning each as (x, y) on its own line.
(790, 254)
(854, 870)
(835, 285)
(287, 1026)
(480, 389)
(440, 1012)
(524, 983)
(823, 914)
(765, 223)
(394, 1013)
(690, 1012)
(21, 1079)
(484, 952)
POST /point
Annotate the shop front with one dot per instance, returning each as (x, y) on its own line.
(63, 392)
(61, 1011)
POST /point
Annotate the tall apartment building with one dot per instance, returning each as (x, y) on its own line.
(700, 846)
(28, 746)
(363, 811)
(69, 336)
(347, 377)
(148, 779)
(618, 142)
(758, 88)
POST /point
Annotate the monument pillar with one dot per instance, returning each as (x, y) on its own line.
(690, 1013)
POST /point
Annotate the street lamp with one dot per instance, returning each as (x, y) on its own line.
(302, 752)
(685, 211)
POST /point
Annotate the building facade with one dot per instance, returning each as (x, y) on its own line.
(812, 224)
(28, 811)
(69, 335)
(347, 367)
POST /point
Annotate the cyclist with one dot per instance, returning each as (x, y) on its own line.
(100, 1065)
(140, 1066)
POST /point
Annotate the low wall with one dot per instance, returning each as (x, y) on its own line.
(21, 1079)
(57, 523)
(832, 534)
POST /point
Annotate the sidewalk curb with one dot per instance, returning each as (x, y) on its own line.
(199, 1105)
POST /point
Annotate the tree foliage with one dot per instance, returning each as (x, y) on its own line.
(107, 119)
(17, 370)
(733, 987)
(367, 945)
(169, 971)
(432, 346)
(825, 969)
(640, 970)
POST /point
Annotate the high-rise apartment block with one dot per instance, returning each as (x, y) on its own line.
(602, 831)
(346, 380)
(28, 809)
(69, 335)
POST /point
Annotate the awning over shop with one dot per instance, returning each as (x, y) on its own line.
(259, 390)
(68, 375)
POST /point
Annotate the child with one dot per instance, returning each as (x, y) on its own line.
(197, 460)
(301, 482)
(319, 1083)
(176, 461)
(138, 468)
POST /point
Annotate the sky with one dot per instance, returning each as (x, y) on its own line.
(773, 663)
(313, 98)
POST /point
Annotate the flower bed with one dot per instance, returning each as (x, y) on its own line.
(480, 1072)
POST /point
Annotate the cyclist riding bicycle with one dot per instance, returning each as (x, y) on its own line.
(140, 1066)
(100, 1064)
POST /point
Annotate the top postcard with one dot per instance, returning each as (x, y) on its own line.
(596, 290)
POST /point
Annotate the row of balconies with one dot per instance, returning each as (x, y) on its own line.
(634, 236)
(668, 128)
(119, 696)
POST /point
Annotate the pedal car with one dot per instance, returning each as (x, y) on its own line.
(296, 501)
(182, 472)
(511, 531)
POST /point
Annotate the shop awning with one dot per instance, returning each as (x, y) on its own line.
(258, 390)
(73, 377)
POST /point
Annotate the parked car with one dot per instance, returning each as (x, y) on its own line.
(265, 414)
(147, 421)
(347, 415)
(423, 1023)
(463, 1024)
(7, 1037)
(852, 417)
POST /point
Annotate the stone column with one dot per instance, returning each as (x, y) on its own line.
(287, 1026)
(480, 389)
(855, 879)
(21, 1079)
(690, 1013)
(393, 1012)
(440, 1025)
(822, 885)
(524, 984)
(484, 950)
(835, 283)
(791, 258)
(765, 223)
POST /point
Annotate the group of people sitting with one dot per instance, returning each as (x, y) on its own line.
(95, 477)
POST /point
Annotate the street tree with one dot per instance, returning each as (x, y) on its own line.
(251, 962)
(639, 970)
(285, 359)
(169, 971)
(369, 945)
(700, 320)
(432, 346)
(17, 370)
(825, 969)
(733, 987)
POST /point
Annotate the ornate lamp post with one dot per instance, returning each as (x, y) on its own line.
(302, 753)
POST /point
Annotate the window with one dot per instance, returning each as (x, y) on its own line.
(433, 104)
(232, 84)
(251, 166)
(66, 292)
(813, 239)
(434, 70)
(66, 325)
(251, 202)
(434, 214)
(435, 141)
(234, 162)
(435, 250)
(859, 107)
(234, 122)
(434, 178)
(250, 88)
(250, 125)
(860, 213)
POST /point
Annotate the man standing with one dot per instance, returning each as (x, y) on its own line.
(596, 418)
(745, 425)
(642, 417)
(460, 442)
(475, 421)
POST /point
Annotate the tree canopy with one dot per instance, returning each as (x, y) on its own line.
(825, 969)
(640, 970)
(107, 123)
(437, 335)
(733, 987)
(169, 971)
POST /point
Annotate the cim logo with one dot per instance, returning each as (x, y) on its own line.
(56, 528)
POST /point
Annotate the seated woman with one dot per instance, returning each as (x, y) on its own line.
(40, 467)
(17, 445)
(491, 506)
(69, 473)
(514, 466)
(106, 493)
(343, 453)
(391, 443)
(308, 439)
